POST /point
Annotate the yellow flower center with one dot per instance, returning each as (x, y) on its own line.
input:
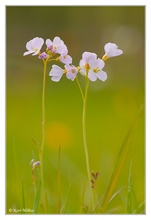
(87, 66)
(105, 57)
(73, 70)
(34, 49)
(96, 70)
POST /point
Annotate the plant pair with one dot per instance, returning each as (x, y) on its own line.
(90, 66)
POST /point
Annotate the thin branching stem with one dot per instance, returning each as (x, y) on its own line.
(80, 88)
(85, 139)
(43, 137)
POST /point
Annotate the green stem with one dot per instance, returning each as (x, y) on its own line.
(84, 138)
(59, 182)
(80, 88)
(43, 137)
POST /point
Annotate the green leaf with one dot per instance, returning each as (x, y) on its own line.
(140, 208)
(37, 198)
(120, 161)
(65, 206)
(98, 204)
(116, 193)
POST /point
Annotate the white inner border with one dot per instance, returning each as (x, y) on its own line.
(3, 4)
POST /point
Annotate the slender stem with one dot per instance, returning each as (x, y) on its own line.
(43, 137)
(84, 138)
(59, 182)
(80, 88)
(34, 182)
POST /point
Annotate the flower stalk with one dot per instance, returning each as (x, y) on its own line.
(85, 138)
(41, 150)
(91, 68)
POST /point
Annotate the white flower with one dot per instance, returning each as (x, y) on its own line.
(95, 71)
(56, 73)
(111, 50)
(66, 59)
(57, 46)
(34, 46)
(71, 72)
(92, 67)
(86, 56)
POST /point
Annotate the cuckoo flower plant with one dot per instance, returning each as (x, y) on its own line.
(56, 50)
(90, 67)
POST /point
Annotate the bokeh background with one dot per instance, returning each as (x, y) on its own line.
(111, 105)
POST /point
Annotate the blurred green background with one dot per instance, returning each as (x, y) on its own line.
(111, 105)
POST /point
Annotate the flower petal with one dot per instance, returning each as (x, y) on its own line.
(101, 63)
(57, 41)
(56, 71)
(93, 62)
(81, 63)
(34, 46)
(71, 75)
(29, 45)
(56, 78)
(92, 76)
(110, 46)
(66, 59)
(111, 50)
(102, 75)
(37, 42)
(88, 55)
(27, 53)
(49, 43)
(62, 49)
(35, 53)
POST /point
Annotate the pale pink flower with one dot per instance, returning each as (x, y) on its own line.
(66, 59)
(92, 67)
(111, 50)
(56, 73)
(71, 72)
(57, 46)
(34, 46)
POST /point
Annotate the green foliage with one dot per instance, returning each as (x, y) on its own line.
(23, 196)
(37, 198)
(119, 165)
(129, 193)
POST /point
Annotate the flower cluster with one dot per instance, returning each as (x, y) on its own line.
(89, 66)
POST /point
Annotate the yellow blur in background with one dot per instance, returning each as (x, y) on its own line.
(58, 134)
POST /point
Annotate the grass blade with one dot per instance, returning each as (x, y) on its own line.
(65, 206)
(120, 161)
(98, 204)
(140, 208)
(136, 203)
(116, 193)
(23, 195)
(37, 199)
(129, 193)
